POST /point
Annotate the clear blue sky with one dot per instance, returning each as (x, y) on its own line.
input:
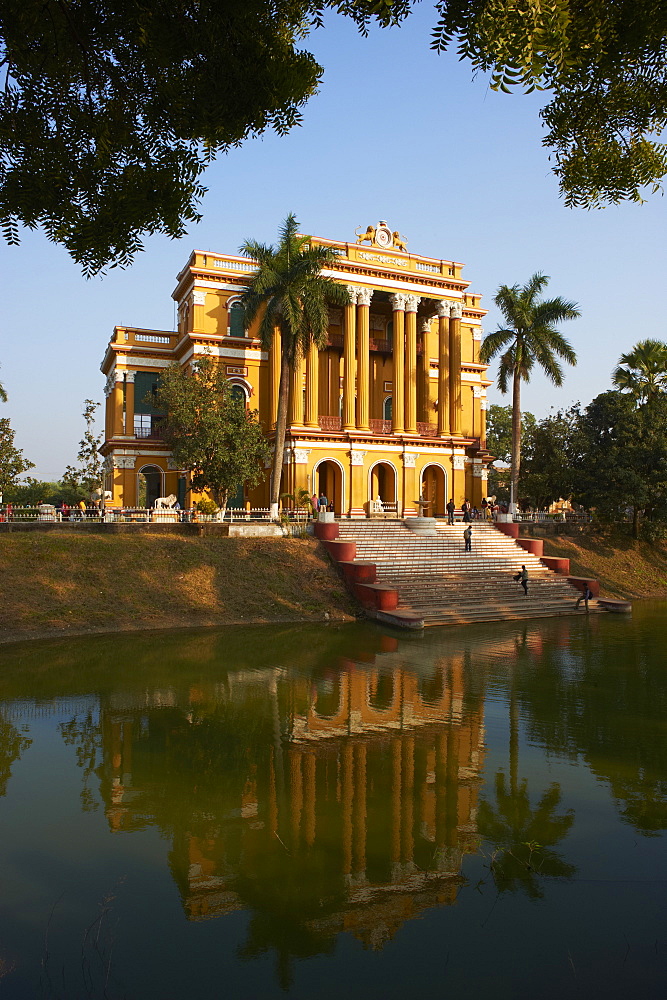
(396, 133)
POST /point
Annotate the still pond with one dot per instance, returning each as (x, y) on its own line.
(337, 811)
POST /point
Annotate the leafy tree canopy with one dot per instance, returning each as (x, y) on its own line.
(209, 430)
(86, 478)
(111, 112)
(643, 371)
(622, 460)
(12, 462)
(605, 65)
(30, 492)
(499, 432)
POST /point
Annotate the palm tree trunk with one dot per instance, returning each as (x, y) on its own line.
(516, 436)
(279, 442)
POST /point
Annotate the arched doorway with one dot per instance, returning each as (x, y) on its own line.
(328, 479)
(149, 486)
(382, 482)
(434, 487)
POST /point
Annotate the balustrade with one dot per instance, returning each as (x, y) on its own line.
(329, 423)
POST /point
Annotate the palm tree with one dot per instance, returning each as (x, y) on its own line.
(291, 293)
(530, 336)
(645, 373)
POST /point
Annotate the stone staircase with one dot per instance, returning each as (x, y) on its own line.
(440, 584)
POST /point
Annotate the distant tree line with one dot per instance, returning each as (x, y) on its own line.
(609, 456)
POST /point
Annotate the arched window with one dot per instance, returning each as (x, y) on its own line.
(236, 318)
(387, 409)
(238, 392)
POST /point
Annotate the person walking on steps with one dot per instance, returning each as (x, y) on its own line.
(522, 578)
(467, 534)
(585, 596)
(451, 507)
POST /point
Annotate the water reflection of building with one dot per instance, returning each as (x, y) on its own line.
(339, 800)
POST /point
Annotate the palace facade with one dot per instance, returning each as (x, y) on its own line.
(394, 405)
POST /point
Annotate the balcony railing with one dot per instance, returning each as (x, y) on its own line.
(380, 426)
(334, 424)
(147, 430)
(330, 423)
(382, 346)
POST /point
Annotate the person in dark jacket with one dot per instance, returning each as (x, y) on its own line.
(522, 578)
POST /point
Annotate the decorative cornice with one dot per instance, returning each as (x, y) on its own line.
(148, 362)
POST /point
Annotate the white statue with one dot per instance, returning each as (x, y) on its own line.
(166, 502)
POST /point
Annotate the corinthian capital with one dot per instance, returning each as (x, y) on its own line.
(411, 303)
(456, 310)
(442, 308)
(352, 291)
(364, 296)
(398, 301)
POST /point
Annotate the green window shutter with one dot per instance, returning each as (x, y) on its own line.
(145, 384)
(236, 318)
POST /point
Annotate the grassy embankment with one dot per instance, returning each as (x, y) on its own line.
(625, 568)
(54, 584)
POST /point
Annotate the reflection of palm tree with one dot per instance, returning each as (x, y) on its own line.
(522, 835)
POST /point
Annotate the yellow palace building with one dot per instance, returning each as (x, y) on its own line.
(394, 407)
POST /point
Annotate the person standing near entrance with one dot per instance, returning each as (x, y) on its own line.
(322, 503)
(451, 507)
(467, 534)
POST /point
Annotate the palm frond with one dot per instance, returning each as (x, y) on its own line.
(493, 343)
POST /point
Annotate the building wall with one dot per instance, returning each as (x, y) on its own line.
(423, 337)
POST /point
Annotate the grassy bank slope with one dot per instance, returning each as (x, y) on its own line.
(54, 584)
(624, 567)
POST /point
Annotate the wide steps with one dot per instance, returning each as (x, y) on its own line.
(438, 581)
